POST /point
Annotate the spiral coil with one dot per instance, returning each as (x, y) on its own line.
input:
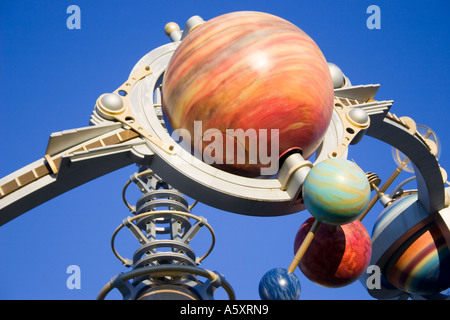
(162, 225)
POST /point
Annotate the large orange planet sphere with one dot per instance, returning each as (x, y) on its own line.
(253, 72)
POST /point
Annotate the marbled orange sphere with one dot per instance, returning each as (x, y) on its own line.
(250, 71)
(337, 255)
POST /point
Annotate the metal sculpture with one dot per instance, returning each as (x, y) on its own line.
(129, 126)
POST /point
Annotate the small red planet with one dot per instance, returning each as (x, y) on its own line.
(337, 255)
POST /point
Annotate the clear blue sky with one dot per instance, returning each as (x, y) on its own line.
(50, 78)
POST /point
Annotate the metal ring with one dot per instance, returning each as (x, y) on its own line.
(166, 270)
(132, 208)
(139, 216)
(163, 243)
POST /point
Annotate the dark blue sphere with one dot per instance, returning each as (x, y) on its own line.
(279, 284)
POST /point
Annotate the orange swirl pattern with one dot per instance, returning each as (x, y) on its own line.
(253, 70)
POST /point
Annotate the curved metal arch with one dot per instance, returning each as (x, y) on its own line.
(429, 176)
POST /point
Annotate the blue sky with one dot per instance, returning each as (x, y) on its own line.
(50, 78)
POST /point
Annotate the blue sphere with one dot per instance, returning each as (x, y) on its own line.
(279, 284)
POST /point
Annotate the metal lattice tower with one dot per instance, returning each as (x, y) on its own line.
(164, 266)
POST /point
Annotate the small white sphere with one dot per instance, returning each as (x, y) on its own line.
(358, 115)
(336, 75)
(112, 101)
(171, 27)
